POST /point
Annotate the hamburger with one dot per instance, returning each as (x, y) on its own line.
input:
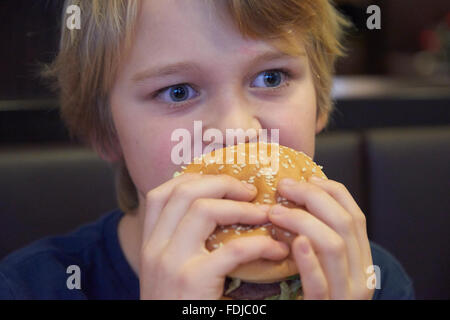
(263, 165)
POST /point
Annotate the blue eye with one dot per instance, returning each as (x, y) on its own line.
(270, 78)
(177, 93)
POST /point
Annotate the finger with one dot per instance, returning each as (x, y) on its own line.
(314, 282)
(182, 196)
(341, 194)
(203, 217)
(329, 245)
(157, 198)
(320, 204)
(225, 259)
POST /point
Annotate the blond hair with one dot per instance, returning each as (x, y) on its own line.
(87, 62)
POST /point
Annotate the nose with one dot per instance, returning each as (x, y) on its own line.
(236, 120)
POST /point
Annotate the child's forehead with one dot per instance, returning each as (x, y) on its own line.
(200, 38)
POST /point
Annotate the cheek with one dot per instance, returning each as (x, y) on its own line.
(149, 160)
(146, 148)
(297, 121)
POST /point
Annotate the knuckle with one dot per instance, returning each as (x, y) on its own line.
(345, 224)
(153, 196)
(199, 206)
(310, 190)
(237, 249)
(335, 247)
(147, 256)
(361, 221)
(226, 179)
(182, 190)
(340, 186)
(182, 279)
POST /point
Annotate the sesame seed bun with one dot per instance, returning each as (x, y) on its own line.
(249, 162)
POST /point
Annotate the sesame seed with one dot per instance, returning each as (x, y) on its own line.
(225, 231)
(183, 167)
(221, 167)
(263, 228)
(266, 195)
(287, 234)
(303, 169)
(274, 189)
(267, 201)
(235, 171)
(313, 170)
(285, 165)
(237, 232)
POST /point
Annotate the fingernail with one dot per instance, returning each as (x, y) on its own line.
(249, 186)
(287, 181)
(316, 179)
(278, 209)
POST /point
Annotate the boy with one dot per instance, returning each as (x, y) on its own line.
(138, 70)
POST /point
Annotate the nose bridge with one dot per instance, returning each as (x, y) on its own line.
(234, 114)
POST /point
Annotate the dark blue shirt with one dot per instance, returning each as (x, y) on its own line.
(42, 269)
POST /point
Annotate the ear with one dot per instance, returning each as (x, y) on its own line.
(321, 122)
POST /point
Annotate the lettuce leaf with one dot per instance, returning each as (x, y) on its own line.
(234, 284)
(285, 291)
(288, 292)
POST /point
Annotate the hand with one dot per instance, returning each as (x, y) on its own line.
(332, 249)
(180, 215)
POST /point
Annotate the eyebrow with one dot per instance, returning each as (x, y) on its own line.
(181, 67)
